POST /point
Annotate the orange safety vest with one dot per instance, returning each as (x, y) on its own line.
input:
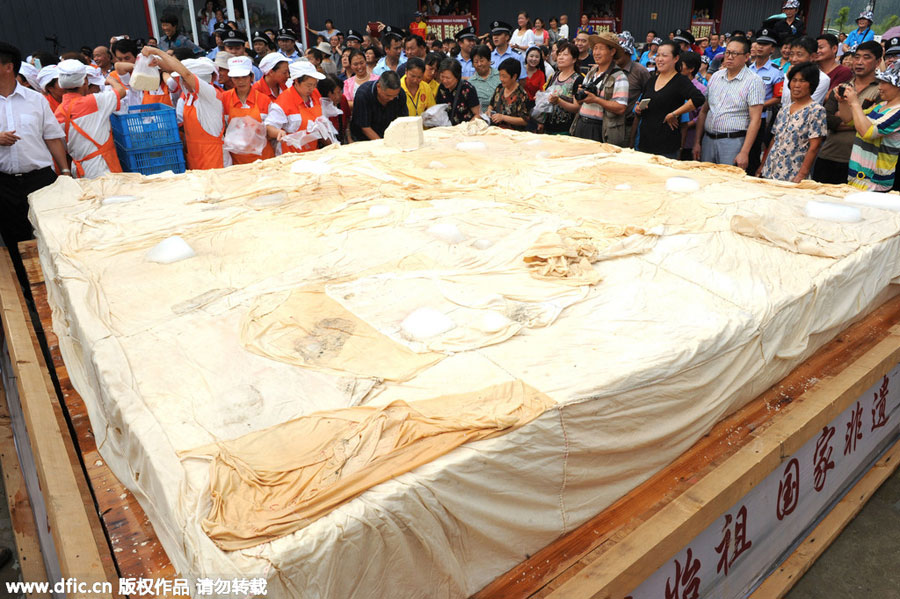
(262, 87)
(291, 102)
(233, 109)
(53, 103)
(74, 106)
(204, 151)
(158, 96)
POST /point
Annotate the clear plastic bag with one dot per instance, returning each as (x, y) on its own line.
(321, 128)
(245, 135)
(542, 104)
(145, 75)
(329, 110)
(436, 116)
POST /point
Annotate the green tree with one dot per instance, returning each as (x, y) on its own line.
(841, 19)
(886, 24)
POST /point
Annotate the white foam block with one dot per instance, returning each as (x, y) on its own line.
(872, 199)
(681, 185)
(145, 81)
(837, 213)
(379, 211)
(426, 323)
(405, 133)
(169, 250)
(447, 232)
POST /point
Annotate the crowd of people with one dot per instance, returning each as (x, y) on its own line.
(777, 102)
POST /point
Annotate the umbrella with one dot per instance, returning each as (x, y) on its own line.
(892, 32)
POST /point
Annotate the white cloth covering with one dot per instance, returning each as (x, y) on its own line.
(640, 364)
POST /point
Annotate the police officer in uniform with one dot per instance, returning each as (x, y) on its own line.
(501, 32)
(287, 44)
(761, 64)
(466, 38)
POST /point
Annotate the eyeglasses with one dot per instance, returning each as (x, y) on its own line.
(731, 54)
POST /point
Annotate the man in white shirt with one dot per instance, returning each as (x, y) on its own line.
(805, 49)
(30, 142)
(564, 27)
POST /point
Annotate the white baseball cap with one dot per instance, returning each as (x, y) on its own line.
(304, 68)
(270, 61)
(71, 73)
(95, 76)
(201, 67)
(46, 75)
(27, 70)
(239, 66)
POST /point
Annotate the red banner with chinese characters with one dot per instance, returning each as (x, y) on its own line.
(727, 559)
(603, 25)
(444, 27)
(702, 27)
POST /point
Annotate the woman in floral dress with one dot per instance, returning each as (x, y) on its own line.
(459, 94)
(799, 129)
(510, 105)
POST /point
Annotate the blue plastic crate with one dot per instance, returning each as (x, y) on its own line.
(153, 160)
(145, 126)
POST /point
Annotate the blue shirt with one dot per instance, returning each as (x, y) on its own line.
(496, 59)
(856, 38)
(381, 66)
(468, 69)
(291, 57)
(710, 53)
(771, 76)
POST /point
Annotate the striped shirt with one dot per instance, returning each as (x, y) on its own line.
(873, 160)
(619, 95)
(730, 100)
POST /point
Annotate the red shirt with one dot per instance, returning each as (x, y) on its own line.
(535, 83)
(839, 74)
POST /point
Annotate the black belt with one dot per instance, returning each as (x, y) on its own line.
(732, 135)
(28, 174)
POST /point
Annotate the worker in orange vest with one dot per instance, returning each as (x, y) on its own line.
(200, 109)
(85, 119)
(274, 67)
(47, 78)
(298, 106)
(245, 101)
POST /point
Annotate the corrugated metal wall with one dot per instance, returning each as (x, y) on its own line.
(355, 15)
(638, 16)
(25, 23)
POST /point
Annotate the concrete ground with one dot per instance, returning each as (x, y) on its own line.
(864, 560)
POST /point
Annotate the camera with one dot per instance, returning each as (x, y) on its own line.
(582, 92)
(842, 88)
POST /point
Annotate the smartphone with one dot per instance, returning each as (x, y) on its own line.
(643, 104)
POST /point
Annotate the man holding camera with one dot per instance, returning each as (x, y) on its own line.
(834, 156)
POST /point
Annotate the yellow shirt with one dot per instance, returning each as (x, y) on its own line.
(424, 97)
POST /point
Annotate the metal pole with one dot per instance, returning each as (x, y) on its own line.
(154, 23)
(247, 21)
(193, 22)
(303, 24)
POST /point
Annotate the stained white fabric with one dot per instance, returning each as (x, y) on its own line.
(640, 363)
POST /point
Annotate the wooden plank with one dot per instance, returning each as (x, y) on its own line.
(551, 567)
(136, 548)
(785, 577)
(28, 548)
(653, 543)
(79, 556)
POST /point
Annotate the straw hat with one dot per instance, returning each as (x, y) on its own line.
(610, 39)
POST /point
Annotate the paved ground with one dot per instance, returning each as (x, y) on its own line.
(865, 560)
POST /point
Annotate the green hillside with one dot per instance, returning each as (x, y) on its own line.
(841, 14)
